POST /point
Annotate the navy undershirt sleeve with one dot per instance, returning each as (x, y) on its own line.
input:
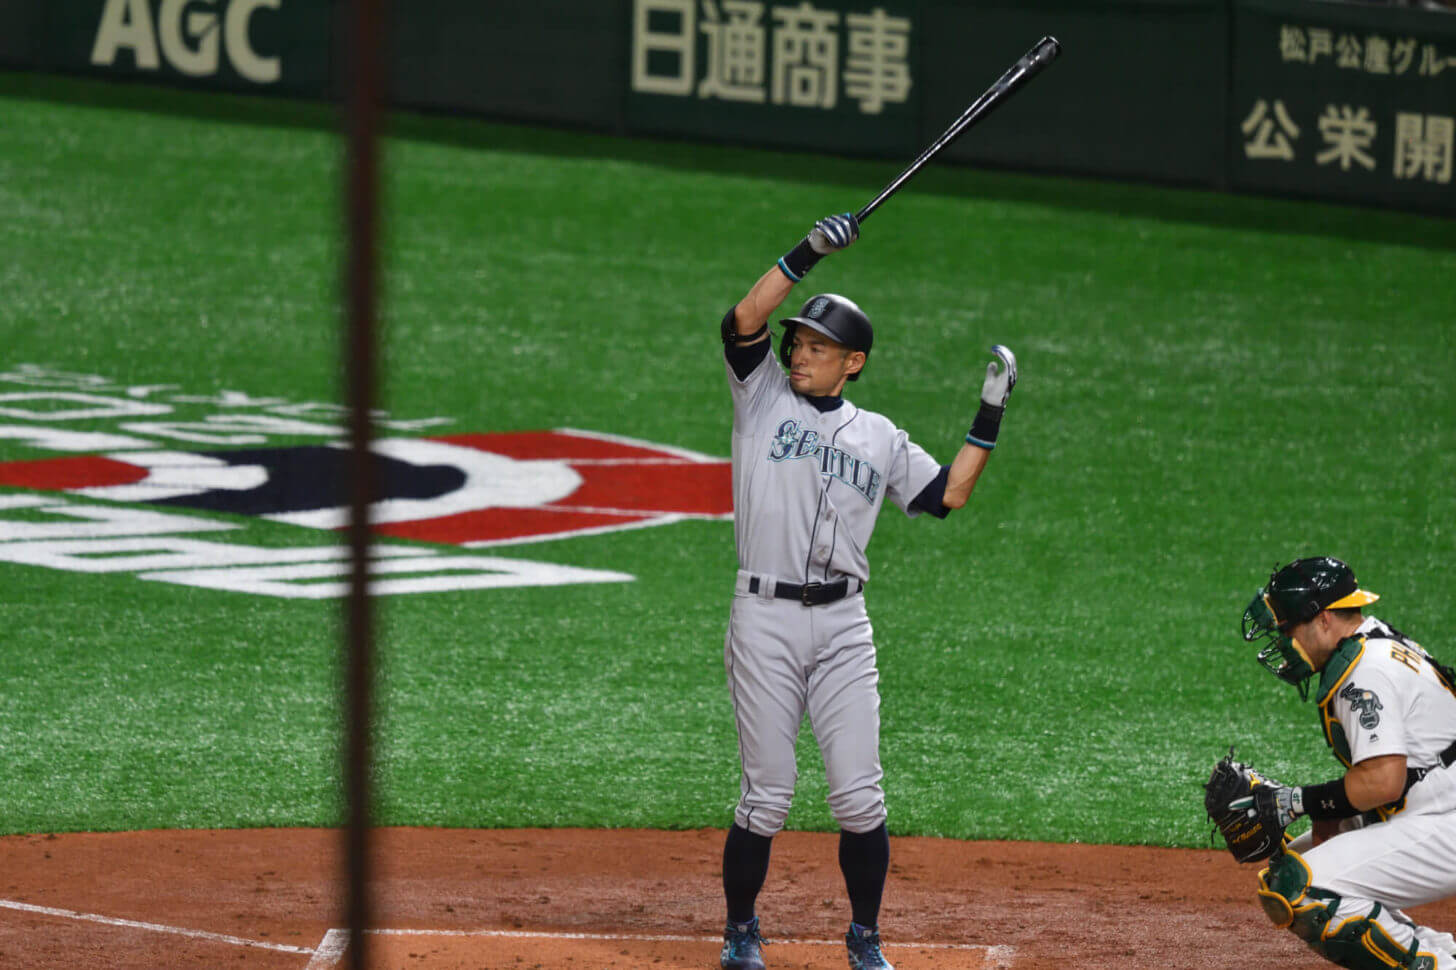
(744, 359)
(930, 499)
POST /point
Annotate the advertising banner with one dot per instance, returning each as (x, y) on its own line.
(559, 61)
(1139, 90)
(829, 75)
(22, 25)
(1318, 98)
(277, 46)
(1345, 102)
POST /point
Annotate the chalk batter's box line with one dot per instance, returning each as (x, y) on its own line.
(331, 949)
(152, 927)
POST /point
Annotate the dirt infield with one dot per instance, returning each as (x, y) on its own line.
(581, 900)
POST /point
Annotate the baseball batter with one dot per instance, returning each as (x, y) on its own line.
(810, 472)
(1384, 833)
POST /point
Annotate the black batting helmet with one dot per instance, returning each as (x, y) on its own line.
(1301, 590)
(1295, 594)
(837, 318)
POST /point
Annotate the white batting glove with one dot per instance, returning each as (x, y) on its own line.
(1000, 377)
(833, 233)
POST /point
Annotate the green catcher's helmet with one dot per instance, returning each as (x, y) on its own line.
(1296, 594)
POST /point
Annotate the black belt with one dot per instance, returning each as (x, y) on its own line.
(1447, 759)
(810, 594)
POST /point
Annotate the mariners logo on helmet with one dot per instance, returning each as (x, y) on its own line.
(837, 318)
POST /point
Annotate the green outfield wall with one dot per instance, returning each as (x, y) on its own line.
(1342, 101)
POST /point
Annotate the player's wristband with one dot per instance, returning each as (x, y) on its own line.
(1327, 801)
(799, 260)
(985, 427)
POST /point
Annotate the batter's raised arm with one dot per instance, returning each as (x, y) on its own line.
(995, 392)
(750, 317)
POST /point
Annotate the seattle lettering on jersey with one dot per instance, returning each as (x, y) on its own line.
(792, 442)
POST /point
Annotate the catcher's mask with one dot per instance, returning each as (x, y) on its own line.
(1296, 594)
(835, 317)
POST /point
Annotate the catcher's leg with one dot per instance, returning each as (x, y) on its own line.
(1403, 862)
(1352, 932)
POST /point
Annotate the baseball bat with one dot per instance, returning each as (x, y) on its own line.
(1045, 51)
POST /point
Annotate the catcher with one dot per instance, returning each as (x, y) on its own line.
(1383, 835)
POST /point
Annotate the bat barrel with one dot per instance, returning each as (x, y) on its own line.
(1032, 63)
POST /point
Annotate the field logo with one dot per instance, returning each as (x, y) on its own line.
(188, 34)
(125, 493)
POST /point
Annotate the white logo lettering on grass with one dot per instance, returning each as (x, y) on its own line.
(80, 538)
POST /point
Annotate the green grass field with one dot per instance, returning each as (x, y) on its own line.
(1210, 384)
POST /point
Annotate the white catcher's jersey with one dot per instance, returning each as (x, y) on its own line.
(1390, 701)
(1387, 701)
(807, 485)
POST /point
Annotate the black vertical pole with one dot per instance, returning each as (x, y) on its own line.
(362, 94)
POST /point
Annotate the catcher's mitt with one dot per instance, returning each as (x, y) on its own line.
(1252, 830)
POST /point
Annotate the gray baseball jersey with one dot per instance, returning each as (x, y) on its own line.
(809, 477)
(808, 484)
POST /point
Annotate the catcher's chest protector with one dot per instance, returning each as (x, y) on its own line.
(1337, 671)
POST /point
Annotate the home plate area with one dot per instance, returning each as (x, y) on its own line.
(577, 899)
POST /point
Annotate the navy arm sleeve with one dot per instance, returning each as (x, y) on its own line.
(744, 359)
(930, 498)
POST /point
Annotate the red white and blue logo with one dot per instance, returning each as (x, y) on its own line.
(150, 480)
(473, 490)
